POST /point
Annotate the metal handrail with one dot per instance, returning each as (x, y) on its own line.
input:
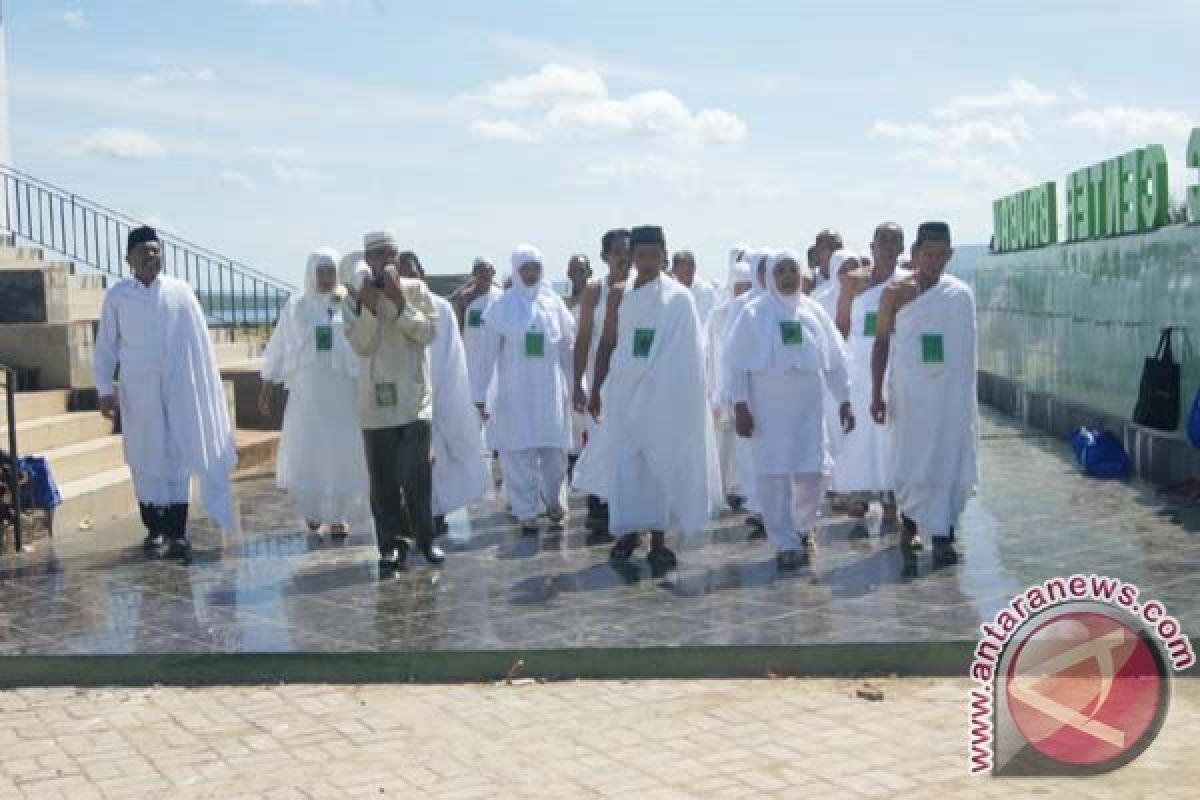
(14, 483)
(230, 292)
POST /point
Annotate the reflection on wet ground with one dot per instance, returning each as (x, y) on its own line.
(274, 587)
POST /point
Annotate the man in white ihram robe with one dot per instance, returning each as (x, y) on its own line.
(863, 467)
(925, 348)
(321, 463)
(740, 281)
(174, 420)
(662, 464)
(743, 456)
(529, 347)
(472, 303)
(784, 354)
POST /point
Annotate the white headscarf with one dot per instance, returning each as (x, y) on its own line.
(321, 257)
(839, 258)
(517, 310)
(293, 344)
(756, 342)
(786, 302)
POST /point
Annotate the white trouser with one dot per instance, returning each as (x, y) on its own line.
(789, 506)
(744, 458)
(727, 458)
(534, 477)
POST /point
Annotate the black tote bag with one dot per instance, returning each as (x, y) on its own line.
(1158, 397)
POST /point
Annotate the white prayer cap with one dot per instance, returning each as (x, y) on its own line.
(523, 254)
(379, 239)
(840, 257)
(480, 261)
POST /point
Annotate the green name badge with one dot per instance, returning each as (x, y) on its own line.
(643, 340)
(535, 344)
(933, 350)
(475, 318)
(792, 332)
(385, 395)
(870, 323)
(324, 338)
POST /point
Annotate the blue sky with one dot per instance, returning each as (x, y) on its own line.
(265, 128)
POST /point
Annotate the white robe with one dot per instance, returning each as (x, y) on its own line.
(743, 456)
(175, 423)
(784, 385)
(662, 470)
(320, 463)
(715, 333)
(933, 413)
(473, 336)
(533, 394)
(704, 295)
(863, 464)
(827, 297)
(460, 474)
(591, 470)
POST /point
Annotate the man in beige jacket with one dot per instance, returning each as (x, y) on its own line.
(390, 322)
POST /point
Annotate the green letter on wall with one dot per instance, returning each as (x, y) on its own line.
(1152, 188)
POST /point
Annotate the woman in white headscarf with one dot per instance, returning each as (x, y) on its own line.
(784, 351)
(320, 461)
(529, 348)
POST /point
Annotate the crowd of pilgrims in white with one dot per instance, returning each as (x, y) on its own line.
(801, 385)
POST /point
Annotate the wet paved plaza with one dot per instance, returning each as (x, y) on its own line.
(275, 587)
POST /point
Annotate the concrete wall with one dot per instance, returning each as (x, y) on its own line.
(1064, 332)
(1077, 321)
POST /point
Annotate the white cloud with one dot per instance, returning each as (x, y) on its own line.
(503, 130)
(1122, 122)
(1010, 133)
(1018, 93)
(553, 83)
(237, 181)
(298, 176)
(126, 143)
(575, 100)
(75, 19)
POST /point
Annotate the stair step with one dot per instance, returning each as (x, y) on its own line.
(35, 405)
(76, 461)
(36, 436)
(108, 494)
(100, 497)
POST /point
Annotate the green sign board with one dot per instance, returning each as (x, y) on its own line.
(1125, 194)
(1026, 219)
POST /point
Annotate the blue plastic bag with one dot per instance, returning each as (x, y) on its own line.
(1100, 453)
(41, 492)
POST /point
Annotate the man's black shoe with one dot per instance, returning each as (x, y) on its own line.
(433, 554)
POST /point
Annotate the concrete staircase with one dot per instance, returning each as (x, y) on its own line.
(47, 322)
(87, 461)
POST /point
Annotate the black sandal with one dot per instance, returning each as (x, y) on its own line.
(623, 550)
(662, 558)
